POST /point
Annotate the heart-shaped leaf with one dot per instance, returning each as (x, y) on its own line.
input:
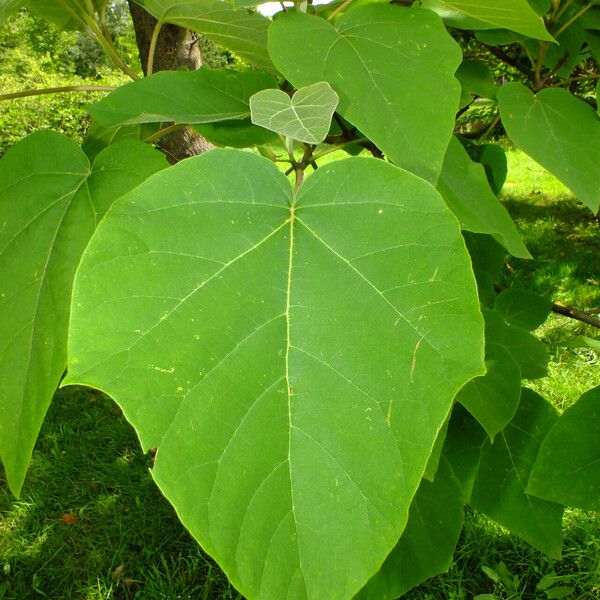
(567, 469)
(560, 132)
(305, 117)
(408, 110)
(50, 203)
(292, 358)
(499, 489)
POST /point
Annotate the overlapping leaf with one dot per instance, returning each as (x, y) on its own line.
(493, 398)
(50, 203)
(464, 186)
(515, 15)
(305, 117)
(527, 351)
(567, 469)
(408, 111)
(560, 132)
(202, 96)
(522, 308)
(504, 469)
(241, 31)
(428, 543)
(275, 349)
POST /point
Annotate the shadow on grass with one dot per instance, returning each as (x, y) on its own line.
(91, 523)
(564, 238)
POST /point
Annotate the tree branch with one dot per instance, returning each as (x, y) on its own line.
(57, 90)
(513, 62)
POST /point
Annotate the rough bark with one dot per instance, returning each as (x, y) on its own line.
(176, 47)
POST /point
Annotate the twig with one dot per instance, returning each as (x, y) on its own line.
(340, 8)
(574, 18)
(575, 313)
(513, 62)
(58, 90)
(152, 48)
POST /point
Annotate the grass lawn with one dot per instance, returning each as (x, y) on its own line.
(92, 525)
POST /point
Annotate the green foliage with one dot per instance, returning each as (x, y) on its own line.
(50, 205)
(560, 132)
(284, 265)
(307, 49)
(207, 96)
(566, 469)
(299, 355)
(241, 31)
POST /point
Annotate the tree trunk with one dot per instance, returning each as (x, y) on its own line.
(175, 48)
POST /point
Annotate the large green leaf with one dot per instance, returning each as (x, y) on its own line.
(567, 469)
(464, 186)
(408, 110)
(427, 544)
(560, 132)
(190, 97)
(499, 489)
(293, 359)
(306, 116)
(50, 203)
(515, 15)
(241, 31)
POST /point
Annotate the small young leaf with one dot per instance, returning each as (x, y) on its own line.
(567, 469)
(499, 490)
(560, 132)
(305, 117)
